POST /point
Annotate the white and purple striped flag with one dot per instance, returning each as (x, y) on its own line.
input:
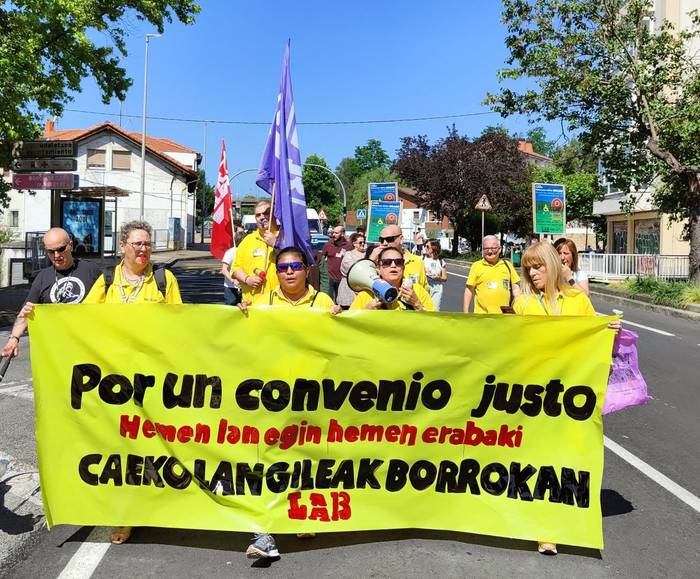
(281, 164)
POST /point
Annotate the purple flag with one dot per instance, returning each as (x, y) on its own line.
(281, 164)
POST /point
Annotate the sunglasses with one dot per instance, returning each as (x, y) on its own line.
(387, 239)
(388, 261)
(57, 250)
(295, 265)
(263, 214)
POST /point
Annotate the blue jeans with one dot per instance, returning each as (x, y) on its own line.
(232, 296)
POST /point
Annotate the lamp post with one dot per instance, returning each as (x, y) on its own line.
(143, 125)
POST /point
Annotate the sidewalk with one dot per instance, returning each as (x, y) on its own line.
(12, 297)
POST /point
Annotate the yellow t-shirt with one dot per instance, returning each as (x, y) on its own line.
(414, 269)
(149, 292)
(365, 296)
(491, 285)
(573, 303)
(312, 298)
(253, 253)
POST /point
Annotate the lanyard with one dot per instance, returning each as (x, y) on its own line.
(135, 293)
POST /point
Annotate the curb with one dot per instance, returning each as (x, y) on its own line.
(185, 258)
(668, 311)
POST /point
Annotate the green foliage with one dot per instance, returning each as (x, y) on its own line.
(320, 188)
(47, 47)
(575, 157)
(632, 95)
(348, 170)
(357, 195)
(6, 234)
(209, 192)
(675, 294)
(540, 144)
(371, 156)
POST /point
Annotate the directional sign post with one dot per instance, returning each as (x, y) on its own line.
(45, 149)
(483, 205)
(37, 165)
(46, 181)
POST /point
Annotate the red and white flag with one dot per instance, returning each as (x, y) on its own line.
(222, 228)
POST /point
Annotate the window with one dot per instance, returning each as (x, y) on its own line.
(96, 158)
(121, 160)
(14, 219)
(646, 236)
(619, 237)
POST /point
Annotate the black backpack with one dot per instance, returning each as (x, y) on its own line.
(158, 274)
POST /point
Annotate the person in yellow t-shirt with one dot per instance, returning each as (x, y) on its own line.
(390, 266)
(547, 293)
(491, 280)
(134, 280)
(293, 290)
(254, 266)
(414, 270)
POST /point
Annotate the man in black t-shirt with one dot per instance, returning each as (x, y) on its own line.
(67, 281)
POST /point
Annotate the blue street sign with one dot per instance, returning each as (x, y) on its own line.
(361, 214)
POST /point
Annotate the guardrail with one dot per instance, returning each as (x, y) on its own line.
(614, 266)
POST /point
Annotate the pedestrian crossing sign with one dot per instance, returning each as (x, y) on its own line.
(484, 204)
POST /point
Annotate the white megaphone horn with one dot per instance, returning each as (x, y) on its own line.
(363, 275)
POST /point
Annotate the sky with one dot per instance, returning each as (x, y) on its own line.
(350, 61)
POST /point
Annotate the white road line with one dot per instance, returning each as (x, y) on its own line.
(88, 556)
(676, 490)
(636, 325)
(449, 273)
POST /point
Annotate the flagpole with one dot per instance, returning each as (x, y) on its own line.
(233, 228)
(269, 222)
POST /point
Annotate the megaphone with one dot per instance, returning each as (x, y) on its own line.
(363, 275)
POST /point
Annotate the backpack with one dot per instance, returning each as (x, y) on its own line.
(158, 274)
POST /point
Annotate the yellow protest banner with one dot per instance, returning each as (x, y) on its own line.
(294, 420)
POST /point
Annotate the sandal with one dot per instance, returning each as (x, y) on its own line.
(120, 535)
(547, 548)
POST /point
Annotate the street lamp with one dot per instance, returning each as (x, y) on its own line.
(143, 124)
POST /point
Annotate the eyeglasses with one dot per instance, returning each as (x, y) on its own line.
(491, 249)
(360, 242)
(295, 265)
(140, 244)
(57, 250)
(388, 261)
(387, 239)
(263, 214)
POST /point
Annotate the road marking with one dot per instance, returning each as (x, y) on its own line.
(88, 556)
(636, 325)
(457, 274)
(22, 390)
(676, 490)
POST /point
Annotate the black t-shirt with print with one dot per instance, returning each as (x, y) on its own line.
(69, 286)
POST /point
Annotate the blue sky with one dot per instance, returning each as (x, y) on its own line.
(350, 61)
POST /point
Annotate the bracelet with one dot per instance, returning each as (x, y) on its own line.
(15, 337)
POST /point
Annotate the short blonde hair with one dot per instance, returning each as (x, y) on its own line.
(544, 254)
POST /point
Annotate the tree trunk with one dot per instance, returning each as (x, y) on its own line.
(455, 243)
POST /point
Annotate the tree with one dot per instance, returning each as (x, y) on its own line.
(48, 47)
(371, 156)
(320, 188)
(575, 157)
(632, 93)
(348, 170)
(451, 175)
(540, 144)
(209, 192)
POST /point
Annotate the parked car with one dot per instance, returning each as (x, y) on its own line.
(318, 240)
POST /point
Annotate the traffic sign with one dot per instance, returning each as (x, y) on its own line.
(24, 149)
(361, 214)
(322, 215)
(45, 181)
(37, 165)
(484, 204)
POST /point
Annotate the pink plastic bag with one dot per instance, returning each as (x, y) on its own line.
(626, 385)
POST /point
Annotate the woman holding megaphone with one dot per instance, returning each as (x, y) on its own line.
(382, 289)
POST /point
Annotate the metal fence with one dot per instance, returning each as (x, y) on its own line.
(615, 266)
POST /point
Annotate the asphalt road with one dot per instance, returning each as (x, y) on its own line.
(650, 495)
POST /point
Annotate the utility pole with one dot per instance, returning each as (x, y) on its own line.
(143, 125)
